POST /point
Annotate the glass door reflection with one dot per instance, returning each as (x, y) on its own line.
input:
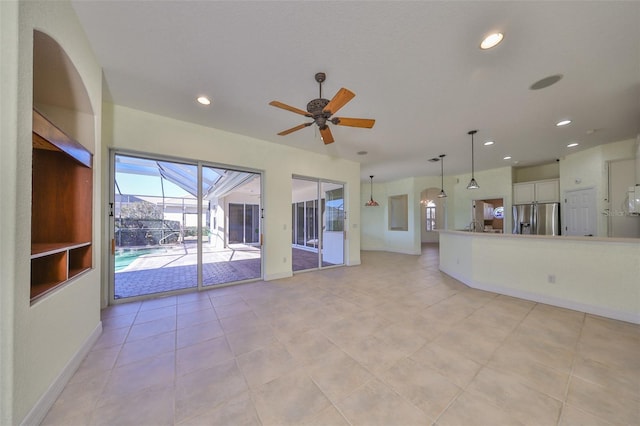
(317, 216)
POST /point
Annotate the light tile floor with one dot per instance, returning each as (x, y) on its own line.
(391, 342)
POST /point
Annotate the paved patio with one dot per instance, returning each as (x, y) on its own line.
(175, 269)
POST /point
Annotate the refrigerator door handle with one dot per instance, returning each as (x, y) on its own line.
(534, 219)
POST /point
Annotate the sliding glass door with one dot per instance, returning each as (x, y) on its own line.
(155, 221)
(180, 225)
(244, 223)
(317, 230)
(333, 224)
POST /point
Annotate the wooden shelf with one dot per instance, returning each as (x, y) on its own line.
(45, 249)
(61, 208)
(79, 259)
(48, 272)
(48, 134)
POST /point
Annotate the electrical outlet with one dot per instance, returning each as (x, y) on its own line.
(284, 259)
(457, 261)
(551, 279)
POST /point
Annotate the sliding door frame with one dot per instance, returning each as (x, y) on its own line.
(110, 228)
(319, 203)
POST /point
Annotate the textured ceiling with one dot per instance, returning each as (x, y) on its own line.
(415, 67)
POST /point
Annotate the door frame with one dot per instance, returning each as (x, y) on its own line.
(319, 216)
(109, 257)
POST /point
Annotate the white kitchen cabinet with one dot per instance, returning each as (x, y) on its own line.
(547, 191)
(543, 191)
(524, 193)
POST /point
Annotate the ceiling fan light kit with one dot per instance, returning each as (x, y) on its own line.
(321, 111)
(472, 183)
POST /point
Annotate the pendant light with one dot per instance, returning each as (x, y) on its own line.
(472, 183)
(371, 202)
(442, 194)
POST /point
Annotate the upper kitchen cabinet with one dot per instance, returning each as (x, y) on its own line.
(542, 191)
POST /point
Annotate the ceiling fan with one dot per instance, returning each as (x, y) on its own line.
(321, 111)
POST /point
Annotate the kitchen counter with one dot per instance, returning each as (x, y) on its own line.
(552, 237)
(589, 274)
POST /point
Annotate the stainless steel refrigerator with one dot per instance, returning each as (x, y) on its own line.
(536, 219)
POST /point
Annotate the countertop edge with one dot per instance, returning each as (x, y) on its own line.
(542, 237)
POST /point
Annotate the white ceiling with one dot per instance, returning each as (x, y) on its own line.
(415, 67)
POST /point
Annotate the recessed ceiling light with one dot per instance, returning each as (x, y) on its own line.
(507, 157)
(487, 143)
(572, 144)
(563, 123)
(491, 40)
(204, 100)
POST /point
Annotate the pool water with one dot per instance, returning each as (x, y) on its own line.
(125, 258)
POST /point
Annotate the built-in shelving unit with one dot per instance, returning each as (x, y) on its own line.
(61, 213)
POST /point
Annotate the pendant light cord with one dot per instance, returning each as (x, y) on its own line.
(472, 157)
(371, 177)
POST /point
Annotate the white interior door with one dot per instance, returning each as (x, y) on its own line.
(580, 215)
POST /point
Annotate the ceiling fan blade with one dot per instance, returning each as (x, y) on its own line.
(293, 129)
(289, 108)
(326, 135)
(339, 100)
(354, 122)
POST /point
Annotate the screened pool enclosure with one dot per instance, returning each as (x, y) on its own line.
(179, 225)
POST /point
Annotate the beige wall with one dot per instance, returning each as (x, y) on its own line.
(41, 339)
(595, 275)
(8, 192)
(495, 183)
(541, 172)
(375, 220)
(584, 169)
(129, 129)
(588, 169)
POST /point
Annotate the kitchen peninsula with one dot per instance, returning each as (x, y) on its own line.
(600, 276)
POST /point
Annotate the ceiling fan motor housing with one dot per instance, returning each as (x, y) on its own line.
(315, 108)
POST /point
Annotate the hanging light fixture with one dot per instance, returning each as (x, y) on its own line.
(442, 194)
(371, 202)
(472, 183)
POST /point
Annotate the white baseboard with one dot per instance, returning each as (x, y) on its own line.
(278, 276)
(46, 401)
(549, 300)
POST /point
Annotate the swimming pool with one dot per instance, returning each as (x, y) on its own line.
(124, 257)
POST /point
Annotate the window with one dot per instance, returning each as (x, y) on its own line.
(430, 215)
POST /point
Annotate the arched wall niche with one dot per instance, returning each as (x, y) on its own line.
(432, 194)
(59, 92)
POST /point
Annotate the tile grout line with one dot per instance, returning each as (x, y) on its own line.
(485, 364)
(570, 378)
(113, 367)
